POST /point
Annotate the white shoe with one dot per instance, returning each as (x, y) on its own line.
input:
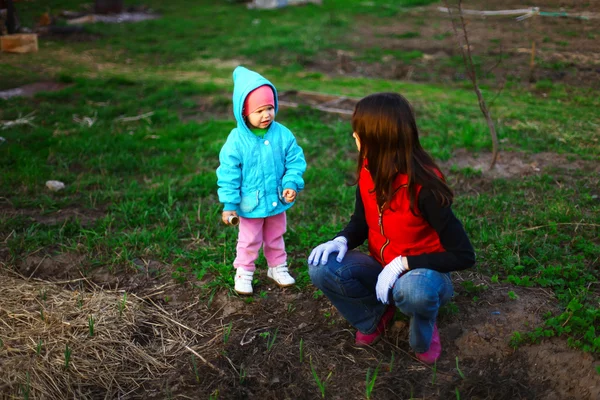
(243, 281)
(281, 276)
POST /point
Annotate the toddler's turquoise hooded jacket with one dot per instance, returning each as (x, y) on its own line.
(254, 171)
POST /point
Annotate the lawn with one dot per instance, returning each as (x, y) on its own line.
(132, 256)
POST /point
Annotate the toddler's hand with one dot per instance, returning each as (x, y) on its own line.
(225, 216)
(289, 195)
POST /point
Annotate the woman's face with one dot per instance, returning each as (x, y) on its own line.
(356, 140)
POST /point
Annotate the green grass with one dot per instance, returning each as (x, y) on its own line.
(204, 31)
(159, 194)
(18, 76)
(408, 35)
(442, 36)
(152, 186)
(528, 238)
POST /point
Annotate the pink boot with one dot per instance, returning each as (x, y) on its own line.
(435, 349)
(363, 339)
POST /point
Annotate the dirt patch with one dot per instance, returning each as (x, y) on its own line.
(554, 359)
(268, 345)
(68, 34)
(419, 45)
(340, 105)
(516, 164)
(208, 108)
(85, 216)
(480, 338)
(56, 267)
(262, 356)
(47, 266)
(77, 271)
(31, 89)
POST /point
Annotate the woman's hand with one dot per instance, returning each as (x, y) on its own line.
(388, 277)
(321, 252)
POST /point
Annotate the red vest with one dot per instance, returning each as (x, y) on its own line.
(396, 232)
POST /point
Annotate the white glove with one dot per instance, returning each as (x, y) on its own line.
(322, 251)
(388, 277)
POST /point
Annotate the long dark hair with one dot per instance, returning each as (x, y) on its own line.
(389, 141)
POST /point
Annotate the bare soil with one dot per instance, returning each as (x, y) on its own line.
(254, 343)
(567, 50)
(511, 164)
(84, 216)
(261, 356)
(31, 89)
(478, 335)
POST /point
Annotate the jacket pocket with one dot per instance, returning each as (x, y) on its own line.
(250, 199)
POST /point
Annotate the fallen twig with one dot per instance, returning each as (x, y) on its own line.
(26, 120)
(556, 224)
(85, 121)
(524, 13)
(166, 315)
(220, 371)
(137, 118)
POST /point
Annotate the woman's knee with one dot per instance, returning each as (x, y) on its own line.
(316, 275)
(415, 294)
(417, 301)
(320, 274)
(354, 267)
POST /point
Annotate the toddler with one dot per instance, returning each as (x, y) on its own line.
(259, 177)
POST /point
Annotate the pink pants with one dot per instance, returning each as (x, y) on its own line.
(255, 232)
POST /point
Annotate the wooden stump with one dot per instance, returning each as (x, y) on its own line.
(19, 43)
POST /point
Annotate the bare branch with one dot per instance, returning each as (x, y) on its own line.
(471, 73)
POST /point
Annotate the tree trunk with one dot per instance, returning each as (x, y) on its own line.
(12, 24)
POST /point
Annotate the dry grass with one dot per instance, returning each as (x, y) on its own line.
(134, 341)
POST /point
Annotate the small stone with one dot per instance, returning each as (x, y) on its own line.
(302, 325)
(399, 326)
(229, 309)
(55, 186)
(139, 265)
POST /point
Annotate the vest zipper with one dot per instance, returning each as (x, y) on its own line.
(387, 241)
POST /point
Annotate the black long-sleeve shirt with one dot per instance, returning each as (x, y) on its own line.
(459, 252)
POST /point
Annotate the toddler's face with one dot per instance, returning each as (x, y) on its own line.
(262, 117)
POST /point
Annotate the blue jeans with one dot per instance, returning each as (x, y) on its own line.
(350, 286)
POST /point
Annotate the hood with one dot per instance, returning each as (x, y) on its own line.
(245, 81)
